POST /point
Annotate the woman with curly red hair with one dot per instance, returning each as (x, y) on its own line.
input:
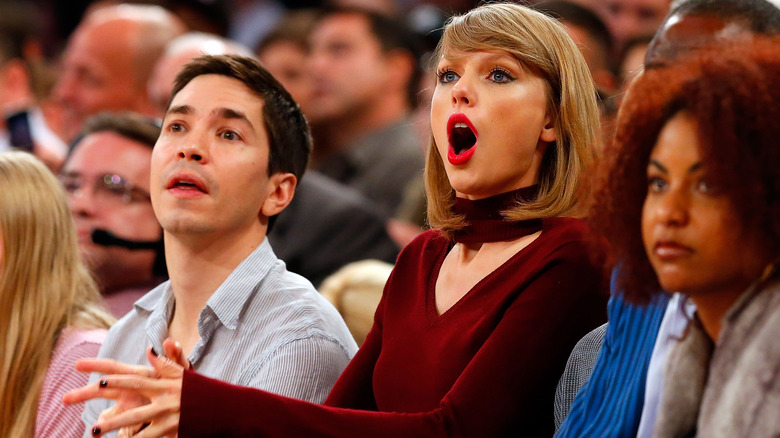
(690, 201)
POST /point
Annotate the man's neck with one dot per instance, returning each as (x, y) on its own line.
(197, 266)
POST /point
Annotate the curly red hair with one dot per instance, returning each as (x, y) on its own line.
(734, 94)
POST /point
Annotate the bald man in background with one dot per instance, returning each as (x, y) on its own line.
(108, 61)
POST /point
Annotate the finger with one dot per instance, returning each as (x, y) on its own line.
(166, 426)
(141, 385)
(175, 352)
(108, 413)
(108, 366)
(135, 418)
(89, 392)
(164, 367)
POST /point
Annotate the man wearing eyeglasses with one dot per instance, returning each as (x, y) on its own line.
(106, 176)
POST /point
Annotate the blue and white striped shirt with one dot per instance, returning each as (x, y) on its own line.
(264, 327)
(610, 404)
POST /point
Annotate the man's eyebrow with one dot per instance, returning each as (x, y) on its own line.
(179, 109)
(228, 113)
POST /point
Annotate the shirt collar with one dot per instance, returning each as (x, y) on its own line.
(230, 298)
(224, 307)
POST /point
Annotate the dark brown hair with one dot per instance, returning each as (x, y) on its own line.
(127, 124)
(733, 93)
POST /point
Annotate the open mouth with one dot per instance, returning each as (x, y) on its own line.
(186, 184)
(462, 138)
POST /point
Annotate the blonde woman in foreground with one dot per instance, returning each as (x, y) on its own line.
(49, 314)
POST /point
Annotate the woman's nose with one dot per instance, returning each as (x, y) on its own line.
(673, 208)
(463, 93)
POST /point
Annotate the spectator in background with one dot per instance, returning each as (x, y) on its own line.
(206, 16)
(627, 19)
(49, 311)
(284, 51)
(591, 36)
(695, 23)
(108, 61)
(595, 42)
(106, 176)
(22, 121)
(631, 64)
(251, 20)
(366, 73)
(347, 228)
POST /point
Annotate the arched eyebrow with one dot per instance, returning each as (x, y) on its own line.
(694, 167)
(658, 165)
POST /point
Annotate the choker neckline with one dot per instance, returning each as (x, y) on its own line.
(485, 223)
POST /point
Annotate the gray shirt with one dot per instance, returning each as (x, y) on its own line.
(379, 164)
(263, 327)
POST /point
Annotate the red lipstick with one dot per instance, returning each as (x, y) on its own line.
(462, 138)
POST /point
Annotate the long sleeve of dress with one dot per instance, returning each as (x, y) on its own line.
(512, 347)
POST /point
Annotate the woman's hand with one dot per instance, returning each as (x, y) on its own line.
(148, 400)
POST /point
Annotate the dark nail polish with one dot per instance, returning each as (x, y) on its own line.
(154, 352)
(95, 431)
(103, 383)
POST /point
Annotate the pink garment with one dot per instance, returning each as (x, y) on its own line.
(55, 419)
(120, 302)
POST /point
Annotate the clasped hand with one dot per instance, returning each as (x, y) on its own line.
(148, 400)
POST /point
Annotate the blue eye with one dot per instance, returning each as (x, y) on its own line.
(447, 76)
(499, 75)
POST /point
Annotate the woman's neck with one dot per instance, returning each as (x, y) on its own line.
(485, 220)
(712, 305)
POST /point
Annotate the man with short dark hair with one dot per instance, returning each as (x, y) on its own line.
(231, 151)
(366, 75)
(348, 227)
(106, 177)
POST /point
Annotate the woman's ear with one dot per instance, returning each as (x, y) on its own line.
(548, 134)
(281, 188)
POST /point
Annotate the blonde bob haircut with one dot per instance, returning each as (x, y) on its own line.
(543, 47)
(44, 287)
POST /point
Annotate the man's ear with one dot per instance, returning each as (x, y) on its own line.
(281, 188)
